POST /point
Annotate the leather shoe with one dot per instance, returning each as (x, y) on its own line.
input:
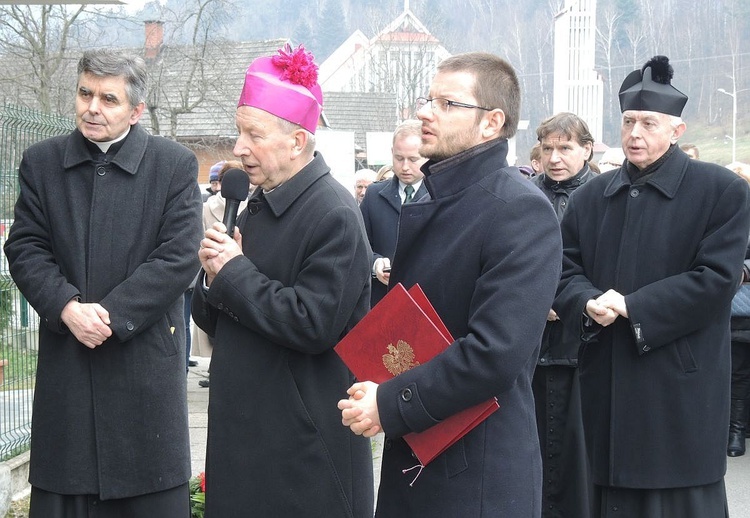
(203, 383)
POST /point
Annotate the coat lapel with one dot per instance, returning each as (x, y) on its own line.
(390, 194)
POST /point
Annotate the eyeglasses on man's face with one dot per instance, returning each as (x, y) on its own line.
(438, 104)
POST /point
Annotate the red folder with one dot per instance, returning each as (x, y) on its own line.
(402, 331)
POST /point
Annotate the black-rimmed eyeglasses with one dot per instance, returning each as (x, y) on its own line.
(443, 105)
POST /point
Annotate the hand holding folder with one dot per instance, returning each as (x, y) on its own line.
(402, 331)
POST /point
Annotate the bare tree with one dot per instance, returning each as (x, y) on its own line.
(402, 61)
(35, 42)
(178, 73)
(606, 44)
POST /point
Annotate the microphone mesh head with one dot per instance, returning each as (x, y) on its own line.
(235, 185)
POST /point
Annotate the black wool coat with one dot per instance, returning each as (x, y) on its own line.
(655, 386)
(276, 444)
(381, 212)
(491, 276)
(560, 344)
(122, 232)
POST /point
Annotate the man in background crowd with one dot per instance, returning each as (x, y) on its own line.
(691, 150)
(566, 148)
(382, 206)
(362, 179)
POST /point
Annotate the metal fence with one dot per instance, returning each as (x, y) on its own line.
(19, 128)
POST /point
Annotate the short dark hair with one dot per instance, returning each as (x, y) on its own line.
(568, 124)
(107, 62)
(688, 147)
(495, 86)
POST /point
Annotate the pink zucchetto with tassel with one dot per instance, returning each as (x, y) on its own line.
(285, 85)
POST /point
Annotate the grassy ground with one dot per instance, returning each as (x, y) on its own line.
(21, 368)
(715, 145)
(19, 509)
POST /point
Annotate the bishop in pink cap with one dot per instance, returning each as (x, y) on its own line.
(285, 85)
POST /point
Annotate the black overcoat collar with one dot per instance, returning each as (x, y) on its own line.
(666, 179)
(128, 158)
(442, 178)
(282, 197)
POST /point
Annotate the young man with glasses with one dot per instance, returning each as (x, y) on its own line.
(491, 277)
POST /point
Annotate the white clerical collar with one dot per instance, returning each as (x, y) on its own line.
(104, 146)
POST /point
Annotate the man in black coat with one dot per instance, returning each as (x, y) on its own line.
(381, 206)
(566, 146)
(103, 246)
(491, 276)
(277, 298)
(653, 256)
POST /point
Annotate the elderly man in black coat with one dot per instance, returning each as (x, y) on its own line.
(491, 276)
(381, 207)
(277, 298)
(103, 246)
(653, 253)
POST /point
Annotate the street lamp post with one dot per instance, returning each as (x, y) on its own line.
(733, 95)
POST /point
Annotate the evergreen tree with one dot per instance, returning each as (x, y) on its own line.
(332, 29)
(303, 34)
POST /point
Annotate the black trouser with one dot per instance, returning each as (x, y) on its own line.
(740, 370)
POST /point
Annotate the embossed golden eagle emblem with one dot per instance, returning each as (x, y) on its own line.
(399, 358)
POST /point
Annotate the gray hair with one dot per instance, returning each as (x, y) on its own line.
(365, 174)
(114, 63)
(288, 127)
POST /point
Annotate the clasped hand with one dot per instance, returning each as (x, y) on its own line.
(360, 411)
(88, 322)
(607, 307)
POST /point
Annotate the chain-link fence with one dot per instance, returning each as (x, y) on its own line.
(19, 128)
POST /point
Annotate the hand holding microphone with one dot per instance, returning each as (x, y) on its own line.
(220, 245)
(235, 187)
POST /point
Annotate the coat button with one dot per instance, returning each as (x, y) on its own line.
(646, 348)
(634, 193)
(129, 325)
(406, 394)
(101, 171)
(388, 444)
(220, 306)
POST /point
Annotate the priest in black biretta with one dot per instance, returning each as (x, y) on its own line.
(653, 254)
(651, 89)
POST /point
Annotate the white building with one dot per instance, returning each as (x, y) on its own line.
(401, 60)
(578, 86)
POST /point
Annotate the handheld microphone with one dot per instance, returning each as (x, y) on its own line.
(235, 186)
